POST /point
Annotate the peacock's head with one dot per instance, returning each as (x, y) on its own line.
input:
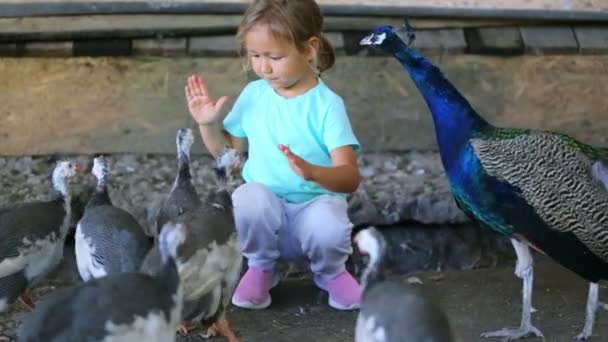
(387, 37)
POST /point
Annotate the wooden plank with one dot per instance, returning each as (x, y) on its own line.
(572, 5)
(549, 39)
(571, 10)
(159, 46)
(439, 41)
(495, 40)
(92, 105)
(8, 49)
(93, 26)
(48, 49)
(592, 39)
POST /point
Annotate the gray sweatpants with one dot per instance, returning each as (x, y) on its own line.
(317, 231)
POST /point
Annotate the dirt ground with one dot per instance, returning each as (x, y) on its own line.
(475, 301)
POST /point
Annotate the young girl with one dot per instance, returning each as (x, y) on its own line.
(301, 150)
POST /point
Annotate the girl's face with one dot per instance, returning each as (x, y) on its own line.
(286, 69)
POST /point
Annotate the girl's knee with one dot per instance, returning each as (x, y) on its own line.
(249, 192)
(253, 202)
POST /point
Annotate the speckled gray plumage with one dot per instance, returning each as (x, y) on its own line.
(11, 287)
(80, 313)
(208, 282)
(555, 177)
(120, 242)
(183, 197)
(213, 221)
(32, 221)
(31, 240)
(405, 313)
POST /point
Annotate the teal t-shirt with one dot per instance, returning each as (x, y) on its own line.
(311, 124)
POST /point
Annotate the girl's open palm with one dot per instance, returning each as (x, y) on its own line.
(203, 108)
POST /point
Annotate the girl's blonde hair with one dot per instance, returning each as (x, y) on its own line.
(296, 21)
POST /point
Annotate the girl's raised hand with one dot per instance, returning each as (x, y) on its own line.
(203, 108)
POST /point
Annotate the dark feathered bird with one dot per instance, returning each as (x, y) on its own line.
(390, 311)
(119, 307)
(541, 189)
(108, 239)
(32, 236)
(183, 196)
(209, 264)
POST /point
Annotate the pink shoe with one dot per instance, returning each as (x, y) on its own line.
(252, 290)
(344, 291)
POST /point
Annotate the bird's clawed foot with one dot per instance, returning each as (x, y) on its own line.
(220, 327)
(515, 334)
(584, 336)
(27, 301)
(186, 326)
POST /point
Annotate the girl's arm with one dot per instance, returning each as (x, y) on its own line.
(205, 110)
(216, 139)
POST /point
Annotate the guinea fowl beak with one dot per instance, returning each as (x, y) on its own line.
(80, 169)
(356, 241)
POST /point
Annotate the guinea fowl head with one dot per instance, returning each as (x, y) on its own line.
(371, 242)
(387, 38)
(63, 171)
(100, 169)
(227, 161)
(171, 237)
(184, 141)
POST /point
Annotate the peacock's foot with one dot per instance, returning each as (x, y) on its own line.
(584, 336)
(514, 334)
(186, 326)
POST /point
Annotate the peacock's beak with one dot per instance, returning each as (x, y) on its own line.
(368, 40)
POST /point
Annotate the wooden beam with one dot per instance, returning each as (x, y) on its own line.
(93, 105)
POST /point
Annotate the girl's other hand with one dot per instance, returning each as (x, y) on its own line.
(203, 108)
(300, 166)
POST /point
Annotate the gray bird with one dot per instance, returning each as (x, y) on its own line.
(32, 236)
(183, 196)
(394, 312)
(209, 264)
(119, 307)
(108, 239)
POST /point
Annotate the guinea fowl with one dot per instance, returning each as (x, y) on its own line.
(209, 264)
(541, 189)
(390, 311)
(108, 239)
(119, 307)
(32, 236)
(183, 196)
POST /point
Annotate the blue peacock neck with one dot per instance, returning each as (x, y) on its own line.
(455, 120)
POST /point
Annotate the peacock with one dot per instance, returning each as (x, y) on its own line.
(541, 189)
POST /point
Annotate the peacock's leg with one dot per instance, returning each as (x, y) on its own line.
(592, 304)
(524, 269)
